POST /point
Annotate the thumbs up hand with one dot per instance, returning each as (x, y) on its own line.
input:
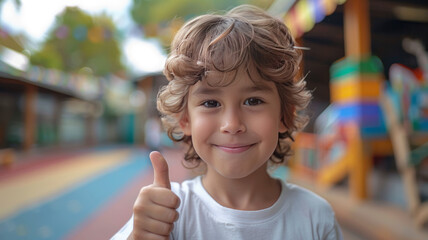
(161, 171)
(155, 207)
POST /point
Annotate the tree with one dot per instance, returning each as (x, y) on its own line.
(78, 40)
(159, 18)
(156, 11)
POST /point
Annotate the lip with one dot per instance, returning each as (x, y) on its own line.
(234, 148)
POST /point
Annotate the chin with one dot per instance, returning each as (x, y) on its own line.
(234, 175)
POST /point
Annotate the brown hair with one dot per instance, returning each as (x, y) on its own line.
(244, 36)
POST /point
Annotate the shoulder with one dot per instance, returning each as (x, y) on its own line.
(305, 196)
(303, 201)
(311, 210)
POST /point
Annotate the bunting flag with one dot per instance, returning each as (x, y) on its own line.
(3, 33)
(62, 32)
(306, 13)
(95, 34)
(80, 33)
(85, 86)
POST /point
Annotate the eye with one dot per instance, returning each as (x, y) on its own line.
(211, 104)
(253, 101)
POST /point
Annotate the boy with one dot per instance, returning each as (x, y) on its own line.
(232, 98)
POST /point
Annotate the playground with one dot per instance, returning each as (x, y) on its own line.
(365, 149)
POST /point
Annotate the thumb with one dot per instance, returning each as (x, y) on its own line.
(160, 169)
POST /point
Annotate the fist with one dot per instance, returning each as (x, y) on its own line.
(155, 207)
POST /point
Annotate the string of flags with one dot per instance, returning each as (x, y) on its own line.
(94, 34)
(300, 18)
(303, 15)
(85, 86)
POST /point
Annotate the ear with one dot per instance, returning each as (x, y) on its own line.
(282, 128)
(185, 124)
(291, 114)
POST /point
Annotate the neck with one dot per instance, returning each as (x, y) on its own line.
(254, 192)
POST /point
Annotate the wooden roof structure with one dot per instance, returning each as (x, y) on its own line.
(390, 21)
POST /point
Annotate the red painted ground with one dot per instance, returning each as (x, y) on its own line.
(116, 212)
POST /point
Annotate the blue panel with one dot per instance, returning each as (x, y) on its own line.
(366, 114)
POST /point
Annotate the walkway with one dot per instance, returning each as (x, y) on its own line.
(86, 194)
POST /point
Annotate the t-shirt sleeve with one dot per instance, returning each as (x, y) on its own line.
(335, 233)
(125, 231)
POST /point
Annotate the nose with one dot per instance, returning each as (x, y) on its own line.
(232, 122)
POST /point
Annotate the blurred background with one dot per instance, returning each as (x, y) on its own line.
(78, 84)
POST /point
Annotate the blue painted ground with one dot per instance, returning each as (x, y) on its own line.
(56, 218)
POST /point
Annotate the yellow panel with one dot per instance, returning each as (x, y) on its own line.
(348, 91)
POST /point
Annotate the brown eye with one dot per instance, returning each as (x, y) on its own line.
(253, 101)
(211, 104)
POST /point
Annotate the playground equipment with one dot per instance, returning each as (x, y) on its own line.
(369, 117)
(351, 130)
(405, 104)
(359, 125)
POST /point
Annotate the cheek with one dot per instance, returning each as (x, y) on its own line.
(201, 127)
(268, 128)
(269, 122)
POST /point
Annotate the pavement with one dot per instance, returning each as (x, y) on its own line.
(85, 194)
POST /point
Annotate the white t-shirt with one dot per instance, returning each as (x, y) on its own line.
(297, 214)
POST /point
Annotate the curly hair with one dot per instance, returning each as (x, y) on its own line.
(244, 36)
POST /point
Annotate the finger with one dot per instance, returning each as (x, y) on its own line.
(163, 214)
(160, 167)
(165, 198)
(154, 226)
(150, 195)
(144, 235)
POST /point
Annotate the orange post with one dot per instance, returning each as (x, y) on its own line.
(357, 28)
(359, 164)
(357, 45)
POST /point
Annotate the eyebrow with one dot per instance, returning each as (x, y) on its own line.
(216, 90)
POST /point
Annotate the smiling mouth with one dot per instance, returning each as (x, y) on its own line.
(234, 149)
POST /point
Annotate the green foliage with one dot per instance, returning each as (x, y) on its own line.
(157, 11)
(78, 40)
(48, 58)
(159, 18)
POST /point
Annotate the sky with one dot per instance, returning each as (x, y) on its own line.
(35, 17)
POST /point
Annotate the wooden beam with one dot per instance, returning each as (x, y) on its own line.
(357, 28)
(90, 129)
(30, 121)
(357, 45)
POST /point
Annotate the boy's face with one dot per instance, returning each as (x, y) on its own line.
(235, 128)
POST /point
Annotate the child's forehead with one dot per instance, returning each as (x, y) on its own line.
(219, 79)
